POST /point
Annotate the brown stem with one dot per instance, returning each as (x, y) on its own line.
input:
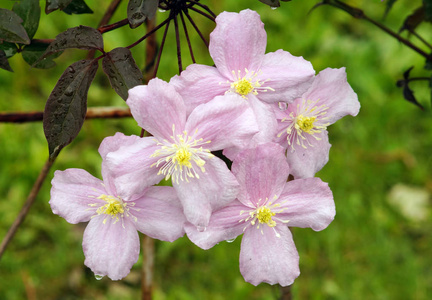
(113, 26)
(147, 268)
(104, 21)
(92, 113)
(286, 293)
(26, 207)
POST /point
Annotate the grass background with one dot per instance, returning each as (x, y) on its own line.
(373, 249)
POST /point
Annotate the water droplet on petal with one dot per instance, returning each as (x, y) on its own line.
(98, 277)
(231, 240)
(201, 228)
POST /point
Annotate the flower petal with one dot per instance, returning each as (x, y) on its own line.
(290, 76)
(226, 121)
(159, 213)
(157, 107)
(332, 89)
(199, 84)
(110, 249)
(131, 167)
(238, 42)
(307, 203)
(261, 172)
(267, 258)
(224, 225)
(305, 162)
(215, 188)
(71, 193)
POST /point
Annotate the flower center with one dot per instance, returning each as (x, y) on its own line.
(247, 84)
(309, 118)
(181, 156)
(114, 207)
(264, 214)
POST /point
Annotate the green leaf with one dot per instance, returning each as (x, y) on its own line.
(9, 48)
(32, 54)
(4, 63)
(413, 20)
(273, 3)
(11, 29)
(122, 71)
(81, 37)
(52, 5)
(139, 10)
(77, 7)
(66, 107)
(29, 11)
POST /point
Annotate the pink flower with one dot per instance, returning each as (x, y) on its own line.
(181, 147)
(111, 242)
(237, 46)
(302, 126)
(263, 210)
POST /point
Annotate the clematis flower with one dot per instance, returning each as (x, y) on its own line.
(237, 46)
(263, 210)
(111, 242)
(181, 146)
(302, 126)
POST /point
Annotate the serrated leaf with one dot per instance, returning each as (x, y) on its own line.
(66, 107)
(389, 6)
(52, 5)
(77, 7)
(139, 10)
(122, 71)
(4, 63)
(273, 3)
(29, 11)
(415, 19)
(32, 54)
(11, 29)
(81, 37)
(9, 48)
(408, 94)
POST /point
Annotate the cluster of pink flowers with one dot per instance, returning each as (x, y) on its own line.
(267, 112)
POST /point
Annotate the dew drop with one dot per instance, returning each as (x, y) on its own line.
(231, 240)
(162, 10)
(98, 277)
(273, 7)
(201, 228)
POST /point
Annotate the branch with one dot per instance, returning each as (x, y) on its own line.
(26, 207)
(92, 113)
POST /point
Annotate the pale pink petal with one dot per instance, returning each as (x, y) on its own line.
(238, 42)
(159, 213)
(157, 107)
(332, 89)
(226, 121)
(71, 193)
(261, 172)
(112, 144)
(290, 76)
(305, 162)
(199, 84)
(131, 167)
(215, 188)
(267, 258)
(224, 225)
(110, 249)
(307, 203)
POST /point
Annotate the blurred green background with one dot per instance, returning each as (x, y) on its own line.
(378, 247)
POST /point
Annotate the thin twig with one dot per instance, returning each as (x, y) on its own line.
(420, 38)
(203, 6)
(187, 38)
(161, 47)
(148, 265)
(196, 27)
(26, 207)
(177, 35)
(203, 13)
(92, 113)
(149, 33)
(113, 26)
(286, 293)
